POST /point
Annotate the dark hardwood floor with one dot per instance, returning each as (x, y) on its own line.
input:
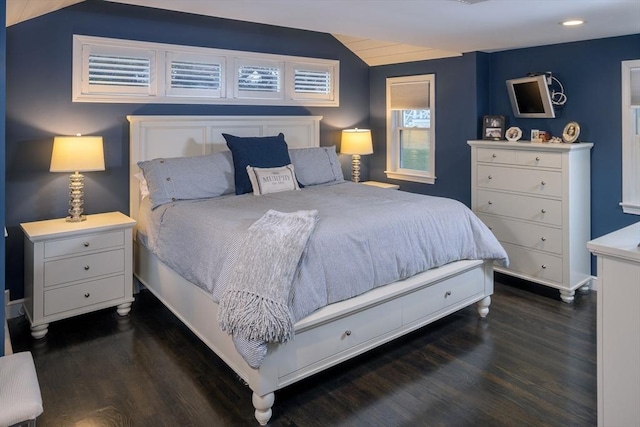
(532, 362)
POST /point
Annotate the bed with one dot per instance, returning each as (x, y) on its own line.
(329, 334)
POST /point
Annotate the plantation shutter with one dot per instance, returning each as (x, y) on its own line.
(194, 75)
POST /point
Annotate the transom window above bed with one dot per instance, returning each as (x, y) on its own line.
(411, 128)
(114, 70)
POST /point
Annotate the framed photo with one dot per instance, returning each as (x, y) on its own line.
(571, 132)
(535, 135)
(493, 127)
(513, 134)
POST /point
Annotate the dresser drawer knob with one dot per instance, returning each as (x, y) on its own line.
(447, 294)
(544, 266)
(544, 239)
(543, 183)
(537, 159)
(86, 267)
(347, 332)
(543, 210)
(87, 295)
(490, 177)
(494, 155)
(490, 202)
(86, 244)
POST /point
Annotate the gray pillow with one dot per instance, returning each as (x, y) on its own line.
(188, 178)
(316, 165)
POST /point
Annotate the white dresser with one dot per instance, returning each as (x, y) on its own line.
(77, 267)
(535, 197)
(618, 326)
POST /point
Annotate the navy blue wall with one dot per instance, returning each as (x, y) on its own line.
(590, 72)
(461, 102)
(3, 6)
(39, 60)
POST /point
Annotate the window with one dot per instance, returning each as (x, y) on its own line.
(114, 70)
(631, 137)
(411, 128)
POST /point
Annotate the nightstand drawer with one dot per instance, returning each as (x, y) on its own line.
(525, 234)
(531, 181)
(83, 267)
(528, 208)
(534, 264)
(78, 245)
(83, 295)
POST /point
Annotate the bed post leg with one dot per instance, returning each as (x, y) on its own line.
(263, 406)
(483, 306)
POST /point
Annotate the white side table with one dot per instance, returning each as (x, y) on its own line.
(381, 185)
(618, 326)
(73, 268)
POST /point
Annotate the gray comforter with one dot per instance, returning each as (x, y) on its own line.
(365, 237)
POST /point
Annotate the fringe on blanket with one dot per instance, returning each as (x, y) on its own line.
(255, 303)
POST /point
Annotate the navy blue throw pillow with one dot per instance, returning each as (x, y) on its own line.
(259, 152)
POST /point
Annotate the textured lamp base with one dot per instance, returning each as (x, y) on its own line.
(355, 168)
(76, 192)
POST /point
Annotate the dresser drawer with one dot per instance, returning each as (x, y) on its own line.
(540, 159)
(531, 181)
(524, 233)
(529, 208)
(437, 297)
(500, 156)
(317, 344)
(83, 295)
(534, 264)
(83, 267)
(79, 245)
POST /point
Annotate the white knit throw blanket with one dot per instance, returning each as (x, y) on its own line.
(255, 303)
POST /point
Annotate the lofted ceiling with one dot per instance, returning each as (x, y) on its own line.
(393, 31)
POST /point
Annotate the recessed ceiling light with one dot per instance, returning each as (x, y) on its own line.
(572, 23)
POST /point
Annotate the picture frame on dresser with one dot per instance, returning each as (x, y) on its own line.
(493, 128)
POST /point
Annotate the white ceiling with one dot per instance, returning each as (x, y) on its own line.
(439, 27)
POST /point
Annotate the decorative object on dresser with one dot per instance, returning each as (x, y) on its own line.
(73, 268)
(571, 132)
(536, 200)
(513, 134)
(618, 326)
(356, 142)
(77, 154)
(492, 127)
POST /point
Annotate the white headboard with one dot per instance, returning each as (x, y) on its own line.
(153, 137)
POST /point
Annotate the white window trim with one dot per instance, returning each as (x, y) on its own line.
(393, 170)
(630, 146)
(159, 93)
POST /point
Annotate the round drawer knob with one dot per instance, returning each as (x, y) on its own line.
(537, 159)
(490, 202)
(494, 155)
(543, 183)
(86, 267)
(347, 332)
(544, 266)
(447, 294)
(86, 244)
(490, 177)
(544, 239)
(87, 295)
(490, 228)
(543, 210)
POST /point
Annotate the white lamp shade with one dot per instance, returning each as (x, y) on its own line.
(356, 141)
(77, 154)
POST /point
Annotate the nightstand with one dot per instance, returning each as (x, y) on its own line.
(73, 268)
(381, 185)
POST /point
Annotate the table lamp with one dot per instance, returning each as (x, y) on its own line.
(356, 142)
(77, 154)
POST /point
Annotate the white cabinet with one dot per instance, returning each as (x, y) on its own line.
(77, 267)
(535, 197)
(618, 326)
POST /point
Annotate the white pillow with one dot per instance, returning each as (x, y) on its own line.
(272, 180)
(144, 188)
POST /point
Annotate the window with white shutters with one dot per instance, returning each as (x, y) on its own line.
(115, 70)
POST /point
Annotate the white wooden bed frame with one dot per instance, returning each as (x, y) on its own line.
(328, 336)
